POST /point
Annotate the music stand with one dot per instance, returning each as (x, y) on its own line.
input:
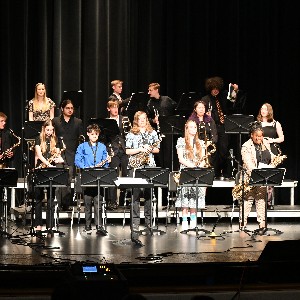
(186, 103)
(129, 183)
(160, 178)
(51, 177)
(108, 127)
(196, 177)
(172, 125)
(266, 177)
(138, 102)
(238, 124)
(8, 178)
(99, 177)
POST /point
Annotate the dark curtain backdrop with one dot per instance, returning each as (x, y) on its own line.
(73, 45)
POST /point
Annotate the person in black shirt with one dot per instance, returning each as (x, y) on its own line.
(6, 143)
(47, 154)
(219, 103)
(119, 159)
(161, 106)
(69, 129)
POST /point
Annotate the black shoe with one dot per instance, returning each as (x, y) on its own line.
(88, 228)
(101, 231)
(136, 241)
(270, 207)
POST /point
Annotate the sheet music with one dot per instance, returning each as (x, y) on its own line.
(130, 180)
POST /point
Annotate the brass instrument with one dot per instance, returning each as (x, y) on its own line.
(207, 144)
(141, 158)
(208, 153)
(5, 153)
(237, 190)
(198, 163)
(53, 157)
(104, 161)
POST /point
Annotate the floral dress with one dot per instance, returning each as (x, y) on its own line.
(39, 115)
(187, 196)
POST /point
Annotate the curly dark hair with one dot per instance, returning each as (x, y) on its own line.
(214, 83)
(255, 126)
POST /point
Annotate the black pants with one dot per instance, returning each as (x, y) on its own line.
(118, 161)
(90, 198)
(137, 192)
(38, 207)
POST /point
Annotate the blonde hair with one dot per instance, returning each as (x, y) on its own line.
(53, 139)
(190, 148)
(115, 82)
(135, 128)
(46, 105)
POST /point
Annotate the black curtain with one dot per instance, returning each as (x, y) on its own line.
(73, 45)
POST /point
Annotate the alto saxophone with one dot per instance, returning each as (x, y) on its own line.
(5, 153)
(52, 157)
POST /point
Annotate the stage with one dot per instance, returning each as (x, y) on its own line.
(219, 263)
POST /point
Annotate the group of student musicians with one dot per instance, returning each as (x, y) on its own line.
(138, 144)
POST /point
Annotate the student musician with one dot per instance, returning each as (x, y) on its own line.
(92, 154)
(47, 155)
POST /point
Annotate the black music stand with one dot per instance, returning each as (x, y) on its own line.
(51, 177)
(238, 124)
(99, 177)
(266, 177)
(186, 103)
(199, 177)
(138, 102)
(172, 125)
(128, 183)
(109, 128)
(160, 178)
(8, 178)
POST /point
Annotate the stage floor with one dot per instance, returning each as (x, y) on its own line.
(168, 262)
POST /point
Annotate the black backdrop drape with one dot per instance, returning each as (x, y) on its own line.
(83, 45)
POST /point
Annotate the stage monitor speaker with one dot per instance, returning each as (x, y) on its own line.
(281, 251)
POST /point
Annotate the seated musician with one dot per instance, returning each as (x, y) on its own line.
(89, 155)
(47, 154)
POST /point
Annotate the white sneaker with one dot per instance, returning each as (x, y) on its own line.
(185, 225)
(193, 223)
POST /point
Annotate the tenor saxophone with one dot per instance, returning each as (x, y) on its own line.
(237, 190)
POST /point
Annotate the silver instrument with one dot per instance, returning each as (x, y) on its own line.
(158, 127)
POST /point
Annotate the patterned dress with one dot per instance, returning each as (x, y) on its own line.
(187, 196)
(39, 115)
